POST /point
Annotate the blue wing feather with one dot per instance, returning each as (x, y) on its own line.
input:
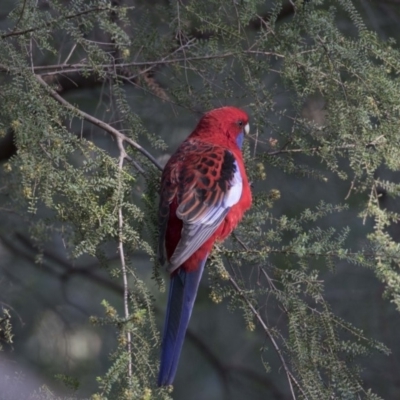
(182, 294)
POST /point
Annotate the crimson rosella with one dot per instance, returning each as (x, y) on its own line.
(204, 194)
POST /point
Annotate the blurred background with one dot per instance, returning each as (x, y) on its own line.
(51, 297)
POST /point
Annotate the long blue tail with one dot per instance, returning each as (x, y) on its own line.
(182, 294)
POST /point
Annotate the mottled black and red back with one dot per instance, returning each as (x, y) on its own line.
(197, 185)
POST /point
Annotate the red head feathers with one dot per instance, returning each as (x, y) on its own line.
(223, 125)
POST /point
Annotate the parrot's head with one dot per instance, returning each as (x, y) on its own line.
(225, 125)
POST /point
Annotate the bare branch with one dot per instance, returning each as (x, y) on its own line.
(122, 156)
(318, 148)
(290, 377)
(120, 137)
(80, 67)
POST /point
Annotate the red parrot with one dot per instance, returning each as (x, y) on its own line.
(204, 194)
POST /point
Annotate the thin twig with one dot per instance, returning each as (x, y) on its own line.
(311, 149)
(351, 187)
(71, 52)
(20, 16)
(122, 156)
(47, 24)
(289, 375)
(79, 67)
(318, 148)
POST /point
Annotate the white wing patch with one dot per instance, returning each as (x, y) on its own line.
(235, 192)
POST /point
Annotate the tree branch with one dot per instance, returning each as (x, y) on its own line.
(275, 345)
(68, 270)
(120, 137)
(224, 369)
(50, 23)
(122, 156)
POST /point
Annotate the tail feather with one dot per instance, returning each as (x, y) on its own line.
(182, 294)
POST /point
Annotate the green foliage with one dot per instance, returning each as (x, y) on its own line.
(69, 381)
(198, 55)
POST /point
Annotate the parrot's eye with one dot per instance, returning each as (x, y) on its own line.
(240, 123)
